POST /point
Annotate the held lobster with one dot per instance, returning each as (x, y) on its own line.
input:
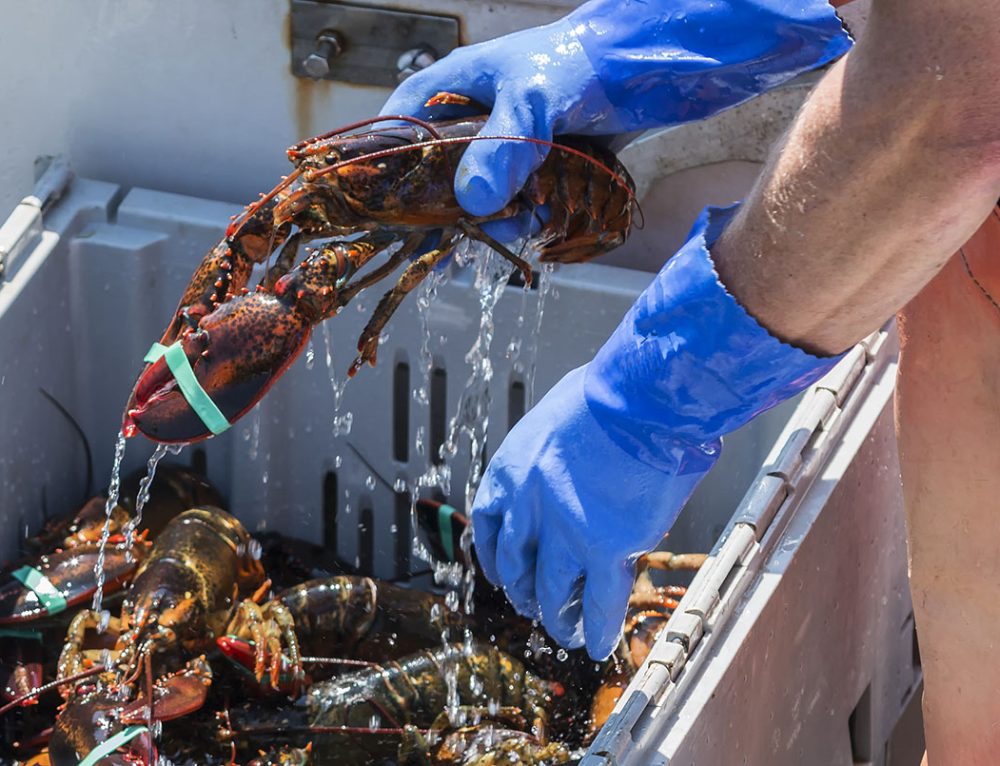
(391, 189)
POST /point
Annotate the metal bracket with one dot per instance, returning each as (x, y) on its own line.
(364, 45)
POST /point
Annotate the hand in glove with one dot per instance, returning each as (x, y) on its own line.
(594, 475)
(611, 67)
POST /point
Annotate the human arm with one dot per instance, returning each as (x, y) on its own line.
(852, 213)
(891, 165)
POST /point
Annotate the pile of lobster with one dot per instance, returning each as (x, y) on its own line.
(226, 649)
(372, 202)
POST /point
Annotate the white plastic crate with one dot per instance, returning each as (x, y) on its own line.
(802, 609)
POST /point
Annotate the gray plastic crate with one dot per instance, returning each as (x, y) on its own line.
(803, 607)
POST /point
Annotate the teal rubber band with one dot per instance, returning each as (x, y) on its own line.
(200, 401)
(111, 744)
(444, 527)
(24, 633)
(48, 594)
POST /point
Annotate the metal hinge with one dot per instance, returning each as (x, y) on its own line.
(24, 225)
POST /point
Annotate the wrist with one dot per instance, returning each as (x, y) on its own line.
(688, 364)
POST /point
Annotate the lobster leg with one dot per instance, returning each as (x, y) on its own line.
(380, 273)
(477, 233)
(414, 274)
(673, 562)
(284, 262)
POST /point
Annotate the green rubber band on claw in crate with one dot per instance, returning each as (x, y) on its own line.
(111, 744)
(48, 594)
(444, 527)
(196, 396)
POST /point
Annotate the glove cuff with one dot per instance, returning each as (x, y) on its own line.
(688, 364)
(661, 62)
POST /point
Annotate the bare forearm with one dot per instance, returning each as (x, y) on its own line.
(890, 166)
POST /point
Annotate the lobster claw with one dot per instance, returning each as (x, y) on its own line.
(100, 721)
(25, 673)
(90, 723)
(63, 579)
(242, 655)
(236, 354)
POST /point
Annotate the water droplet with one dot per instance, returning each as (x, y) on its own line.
(342, 424)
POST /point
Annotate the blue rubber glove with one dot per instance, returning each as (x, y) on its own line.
(596, 473)
(613, 66)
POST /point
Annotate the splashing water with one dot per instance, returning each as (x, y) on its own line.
(252, 433)
(342, 423)
(531, 359)
(473, 413)
(310, 354)
(113, 490)
(426, 294)
(142, 497)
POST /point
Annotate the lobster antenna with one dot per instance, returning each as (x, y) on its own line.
(324, 730)
(642, 216)
(301, 145)
(379, 154)
(252, 208)
(88, 488)
(339, 661)
(39, 690)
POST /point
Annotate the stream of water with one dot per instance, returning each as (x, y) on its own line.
(114, 488)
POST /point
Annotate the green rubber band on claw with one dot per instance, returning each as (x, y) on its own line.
(48, 594)
(111, 744)
(196, 396)
(444, 527)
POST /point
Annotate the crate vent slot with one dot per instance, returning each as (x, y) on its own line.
(439, 413)
(366, 539)
(516, 402)
(401, 412)
(199, 462)
(403, 533)
(330, 510)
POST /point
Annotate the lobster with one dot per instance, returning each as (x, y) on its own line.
(361, 618)
(201, 574)
(391, 188)
(343, 717)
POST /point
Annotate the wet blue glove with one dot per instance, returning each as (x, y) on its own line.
(613, 66)
(596, 473)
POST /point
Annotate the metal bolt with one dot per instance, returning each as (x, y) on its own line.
(329, 45)
(414, 60)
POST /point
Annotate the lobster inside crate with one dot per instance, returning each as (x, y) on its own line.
(318, 460)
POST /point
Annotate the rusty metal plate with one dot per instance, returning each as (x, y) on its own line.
(364, 45)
